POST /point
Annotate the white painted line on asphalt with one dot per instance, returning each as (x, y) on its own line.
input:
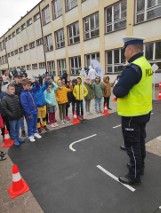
(83, 139)
(114, 177)
(116, 126)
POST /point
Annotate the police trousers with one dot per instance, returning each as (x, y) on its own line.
(134, 134)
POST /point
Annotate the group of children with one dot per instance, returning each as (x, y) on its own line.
(38, 103)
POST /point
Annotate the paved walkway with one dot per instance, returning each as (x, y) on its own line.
(26, 203)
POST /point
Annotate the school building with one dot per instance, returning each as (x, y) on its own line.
(66, 35)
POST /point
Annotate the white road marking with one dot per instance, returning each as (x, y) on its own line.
(114, 177)
(71, 145)
(152, 113)
(116, 126)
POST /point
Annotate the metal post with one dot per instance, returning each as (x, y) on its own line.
(154, 68)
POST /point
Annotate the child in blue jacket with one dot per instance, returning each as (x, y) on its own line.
(41, 105)
(29, 106)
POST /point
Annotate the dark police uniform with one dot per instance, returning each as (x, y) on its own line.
(134, 95)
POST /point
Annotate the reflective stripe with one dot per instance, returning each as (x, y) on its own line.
(6, 136)
(134, 159)
(16, 177)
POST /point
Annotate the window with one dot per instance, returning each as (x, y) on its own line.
(12, 53)
(115, 61)
(34, 66)
(16, 52)
(3, 45)
(18, 30)
(70, 4)
(91, 26)
(9, 54)
(23, 67)
(149, 51)
(73, 33)
(13, 34)
(36, 17)
(51, 67)
(56, 8)
(147, 10)
(90, 57)
(158, 50)
(39, 42)
(48, 43)
(5, 58)
(26, 47)
(23, 27)
(153, 53)
(115, 16)
(75, 65)
(46, 15)
(28, 67)
(42, 65)
(32, 45)
(29, 22)
(61, 66)
(9, 37)
(59, 38)
(20, 50)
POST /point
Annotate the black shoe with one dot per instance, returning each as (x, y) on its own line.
(109, 108)
(23, 133)
(2, 153)
(45, 128)
(39, 130)
(2, 157)
(127, 180)
(123, 148)
(129, 165)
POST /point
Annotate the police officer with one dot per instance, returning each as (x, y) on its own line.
(134, 105)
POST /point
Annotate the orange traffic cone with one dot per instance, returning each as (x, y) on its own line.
(19, 186)
(105, 112)
(159, 86)
(114, 99)
(159, 95)
(75, 119)
(7, 140)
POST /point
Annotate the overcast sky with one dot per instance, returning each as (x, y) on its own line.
(12, 10)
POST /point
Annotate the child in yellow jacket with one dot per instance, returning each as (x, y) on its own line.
(79, 92)
(62, 99)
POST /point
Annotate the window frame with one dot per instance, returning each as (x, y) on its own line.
(74, 69)
(47, 44)
(29, 22)
(71, 39)
(145, 10)
(46, 15)
(69, 6)
(51, 69)
(114, 15)
(92, 56)
(88, 20)
(59, 38)
(61, 69)
(56, 12)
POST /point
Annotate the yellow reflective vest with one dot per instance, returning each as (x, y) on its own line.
(139, 99)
